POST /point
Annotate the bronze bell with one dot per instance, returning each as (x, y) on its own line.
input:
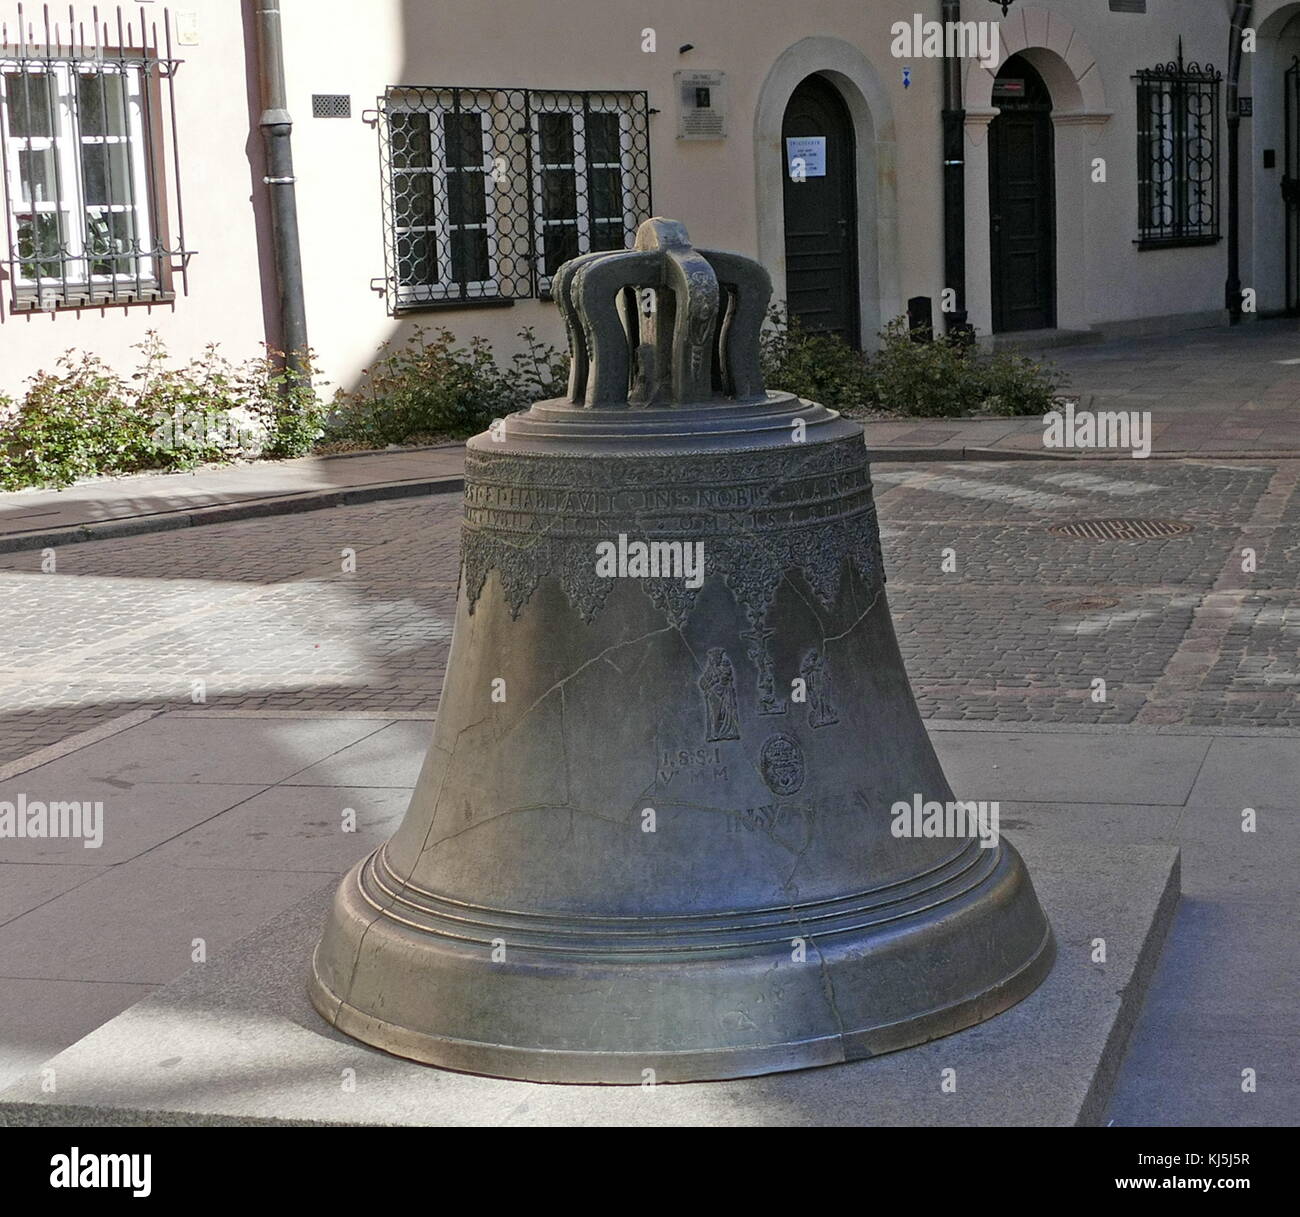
(659, 834)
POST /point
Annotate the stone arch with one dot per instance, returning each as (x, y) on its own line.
(1058, 52)
(867, 99)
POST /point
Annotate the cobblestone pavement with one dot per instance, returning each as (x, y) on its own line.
(264, 614)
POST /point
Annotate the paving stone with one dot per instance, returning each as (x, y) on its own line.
(24, 887)
(261, 611)
(1229, 965)
(1222, 861)
(1250, 773)
(135, 816)
(293, 828)
(137, 922)
(1057, 769)
(185, 751)
(1194, 1079)
(389, 757)
(41, 1017)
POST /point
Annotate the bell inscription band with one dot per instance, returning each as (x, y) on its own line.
(655, 834)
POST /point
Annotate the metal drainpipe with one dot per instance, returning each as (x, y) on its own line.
(1232, 289)
(277, 132)
(954, 180)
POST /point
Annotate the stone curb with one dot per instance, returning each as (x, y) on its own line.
(226, 513)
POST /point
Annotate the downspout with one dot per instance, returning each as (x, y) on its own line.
(1232, 289)
(954, 181)
(277, 132)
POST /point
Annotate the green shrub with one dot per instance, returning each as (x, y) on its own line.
(933, 378)
(819, 367)
(297, 409)
(72, 423)
(946, 376)
(430, 388)
(83, 419)
(213, 410)
(1015, 384)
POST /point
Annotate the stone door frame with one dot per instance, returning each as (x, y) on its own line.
(864, 93)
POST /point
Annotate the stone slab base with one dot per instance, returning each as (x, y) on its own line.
(236, 1041)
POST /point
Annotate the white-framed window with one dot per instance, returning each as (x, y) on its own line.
(78, 186)
(441, 199)
(585, 202)
(487, 191)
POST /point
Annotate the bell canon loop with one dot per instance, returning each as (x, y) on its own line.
(680, 818)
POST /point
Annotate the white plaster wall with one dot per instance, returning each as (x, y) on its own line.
(717, 188)
(711, 186)
(1088, 57)
(339, 46)
(225, 300)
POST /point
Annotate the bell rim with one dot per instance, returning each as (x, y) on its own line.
(564, 1066)
(844, 1005)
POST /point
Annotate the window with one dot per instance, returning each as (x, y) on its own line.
(81, 139)
(1178, 154)
(488, 191)
(585, 204)
(441, 171)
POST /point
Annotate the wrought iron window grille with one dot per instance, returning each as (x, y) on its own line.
(486, 190)
(1178, 154)
(88, 135)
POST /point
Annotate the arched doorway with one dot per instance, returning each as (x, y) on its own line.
(1022, 207)
(821, 211)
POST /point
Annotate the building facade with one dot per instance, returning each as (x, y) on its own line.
(449, 154)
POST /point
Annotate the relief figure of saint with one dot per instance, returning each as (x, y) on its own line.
(817, 681)
(718, 684)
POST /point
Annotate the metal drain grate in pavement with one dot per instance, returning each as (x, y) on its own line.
(1089, 604)
(1121, 530)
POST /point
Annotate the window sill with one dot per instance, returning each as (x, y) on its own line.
(452, 303)
(73, 300)
(1176, 242)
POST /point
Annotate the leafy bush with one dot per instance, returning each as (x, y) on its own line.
(82, 419)
(213, 410)
(430, 388)
(946, 376)
(73, 422)
(1015, 384)
(819, 367)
